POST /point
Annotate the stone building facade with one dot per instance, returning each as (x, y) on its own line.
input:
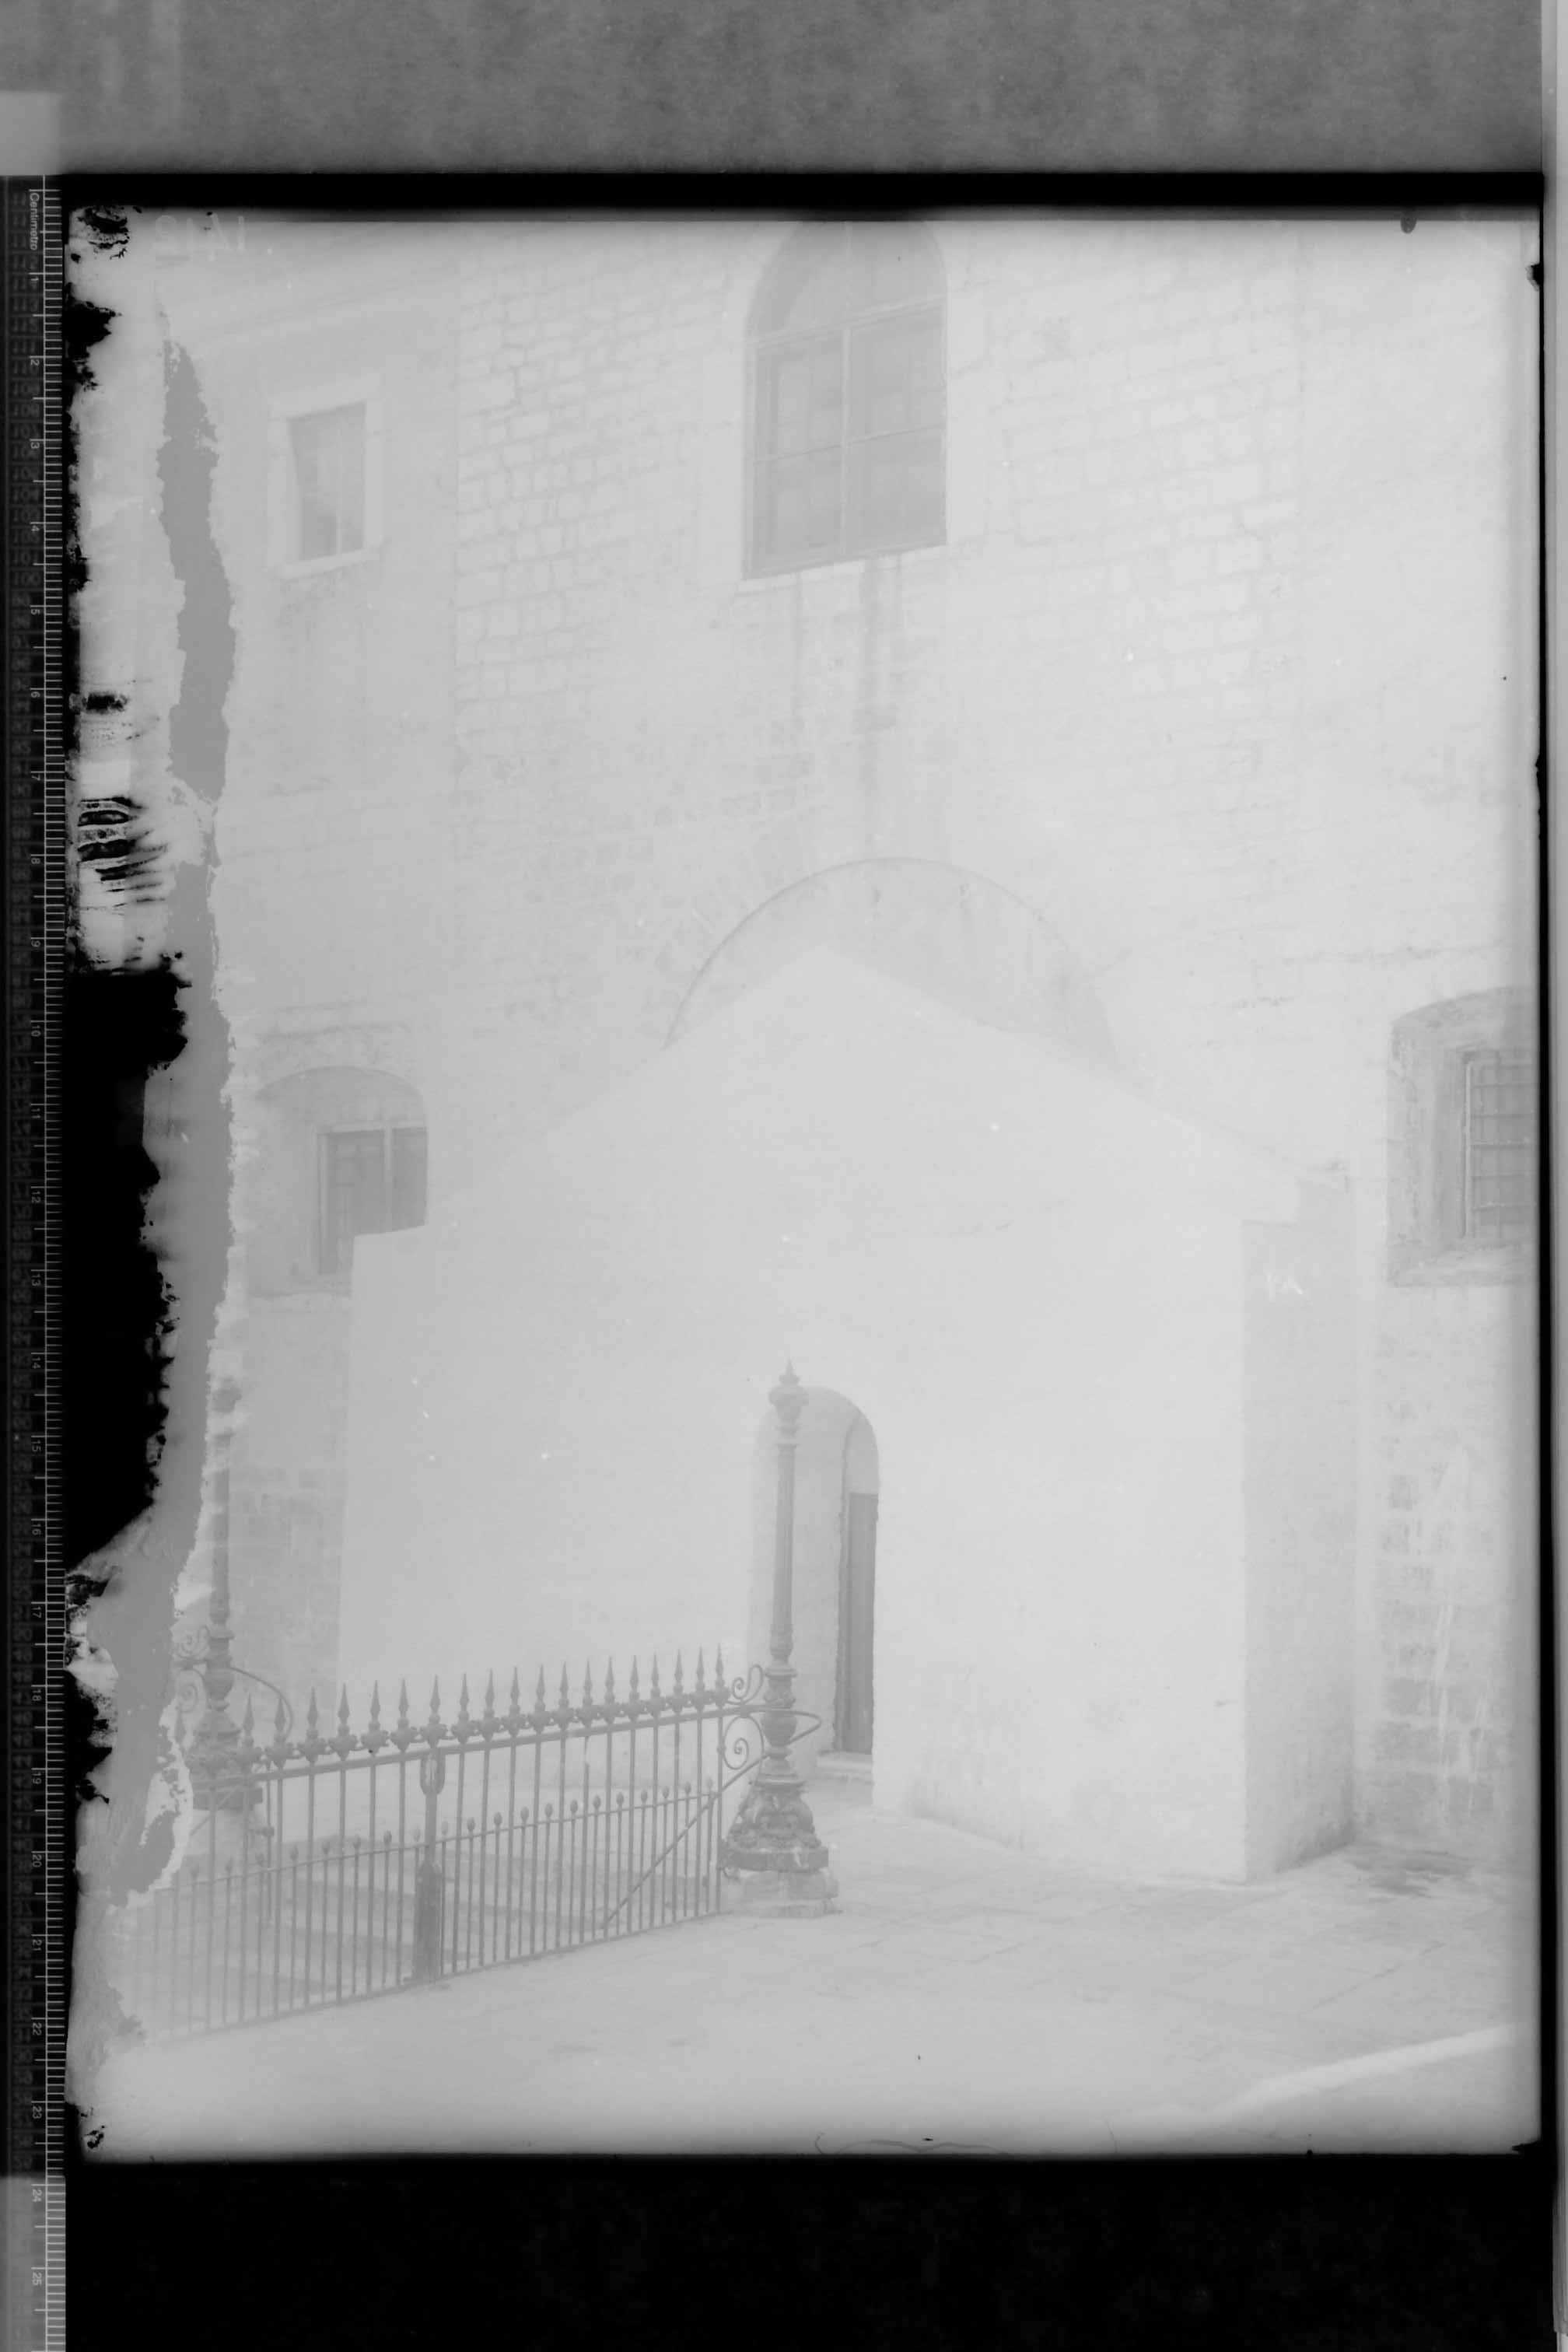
(330, 833)
(1120, 632)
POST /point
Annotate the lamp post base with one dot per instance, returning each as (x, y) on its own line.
(781, 1893)
(773, 1859)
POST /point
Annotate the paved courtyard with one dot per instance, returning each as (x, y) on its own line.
(962, 1997)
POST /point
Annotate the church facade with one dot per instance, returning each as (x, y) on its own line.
(954, 801)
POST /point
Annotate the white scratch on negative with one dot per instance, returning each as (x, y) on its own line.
(1403, 2058)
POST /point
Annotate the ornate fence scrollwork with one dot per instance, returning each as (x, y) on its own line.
(746, 1736)
(192, 1648)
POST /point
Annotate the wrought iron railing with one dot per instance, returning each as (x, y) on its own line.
(330, 1867)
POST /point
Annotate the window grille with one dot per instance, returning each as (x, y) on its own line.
(1500, 1145)
(849, 387)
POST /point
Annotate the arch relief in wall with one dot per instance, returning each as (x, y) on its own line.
(950, 933)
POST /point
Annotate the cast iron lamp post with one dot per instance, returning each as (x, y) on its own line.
(773, 1850)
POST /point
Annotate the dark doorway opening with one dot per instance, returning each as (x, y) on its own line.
(853, 1706)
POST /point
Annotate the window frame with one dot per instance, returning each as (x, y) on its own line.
(325, 1136)
(1430, 1240)
(320, 400)
(763, 350)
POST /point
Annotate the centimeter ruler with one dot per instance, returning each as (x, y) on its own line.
(36, 1961)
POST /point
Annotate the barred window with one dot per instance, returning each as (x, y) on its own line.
(372, 1181)
(1500, 1145)
(849, 398)
(328, 451)
(1462, 1140)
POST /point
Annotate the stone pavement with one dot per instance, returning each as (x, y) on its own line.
(963, 1996)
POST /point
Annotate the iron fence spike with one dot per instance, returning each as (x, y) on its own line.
(403, 1702)
(376, 1702)
(311, 1718)
(516, 1688)
(538, 1688)
(489, 1694)
(344, 1707)
(565, 1689)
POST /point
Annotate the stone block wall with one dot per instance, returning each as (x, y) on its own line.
(1452, 1761)
(330, 894)
(1223, 671)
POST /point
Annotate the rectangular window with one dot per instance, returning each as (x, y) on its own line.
(1500, 1145)
(328, 454)
(372, 1181)
(851, 443)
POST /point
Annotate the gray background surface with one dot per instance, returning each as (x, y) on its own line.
(656, 85)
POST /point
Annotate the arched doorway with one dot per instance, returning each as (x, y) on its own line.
(835, 1500)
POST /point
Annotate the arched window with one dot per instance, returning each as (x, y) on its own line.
(849, 397)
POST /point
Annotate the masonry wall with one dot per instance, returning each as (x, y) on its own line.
(1453, 1761)
(1223, 672)
(1170, 677)
(1224, 669)
(329, 899)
